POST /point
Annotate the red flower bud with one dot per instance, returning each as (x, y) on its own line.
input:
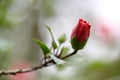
(80, 34)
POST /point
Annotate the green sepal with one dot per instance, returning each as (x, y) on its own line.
(57, 60)
(77, 45)
(54, 44)
(43, 46)
(62, 38)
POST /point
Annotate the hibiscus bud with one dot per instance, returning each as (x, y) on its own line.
(80, 35)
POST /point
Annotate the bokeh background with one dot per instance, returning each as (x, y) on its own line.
(23, 20)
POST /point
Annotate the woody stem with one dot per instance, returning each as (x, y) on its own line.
(16, 71)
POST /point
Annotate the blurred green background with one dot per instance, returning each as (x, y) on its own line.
(23, 20)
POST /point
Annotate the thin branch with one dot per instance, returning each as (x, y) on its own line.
(17, 71)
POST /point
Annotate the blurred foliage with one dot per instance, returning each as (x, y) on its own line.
(5, 49)
(46, 8)
(4, 5)
(99, 70)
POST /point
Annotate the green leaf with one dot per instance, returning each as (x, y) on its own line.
(62, 38)
(50, 31)
(54, 44)
(43, 46)
(64, 51)
(57, 60)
